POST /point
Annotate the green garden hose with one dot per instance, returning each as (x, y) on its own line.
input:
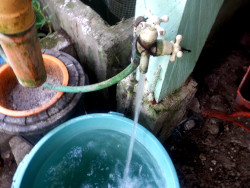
(94, 87)
(89, 88)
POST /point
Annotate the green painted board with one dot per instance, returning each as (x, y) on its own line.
(193, 19)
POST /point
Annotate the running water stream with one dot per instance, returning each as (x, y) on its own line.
(95, 158)
(138, 101)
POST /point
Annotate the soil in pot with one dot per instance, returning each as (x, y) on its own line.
(19, 101)
(22, 98)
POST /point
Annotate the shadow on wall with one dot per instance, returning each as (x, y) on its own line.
(221, 40)
(112, 11)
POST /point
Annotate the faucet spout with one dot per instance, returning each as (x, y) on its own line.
(147, 32)
(144, 61)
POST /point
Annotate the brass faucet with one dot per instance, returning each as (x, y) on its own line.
(147, 31)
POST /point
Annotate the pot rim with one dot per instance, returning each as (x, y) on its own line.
(53, 100)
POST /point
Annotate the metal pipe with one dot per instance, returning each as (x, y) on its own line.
(144, 63)
(18, 38)
(16, 16)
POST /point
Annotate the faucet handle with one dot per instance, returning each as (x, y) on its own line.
(155, 21)
(176, 48)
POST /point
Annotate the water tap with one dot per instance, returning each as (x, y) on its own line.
(147, 31)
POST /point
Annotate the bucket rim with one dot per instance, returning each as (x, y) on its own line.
(170, 179)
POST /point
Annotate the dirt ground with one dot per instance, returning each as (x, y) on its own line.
(7, 169)
(217, 153)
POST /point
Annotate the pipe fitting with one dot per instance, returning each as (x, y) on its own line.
(16, 16)
(25, 58)
(148, 36)
(147, 43)
(163, 47)
(19, 40)
(144, 63)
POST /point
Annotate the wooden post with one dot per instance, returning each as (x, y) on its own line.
(192, 19)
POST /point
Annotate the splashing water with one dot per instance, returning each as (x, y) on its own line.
(91, 160)
(138, 101)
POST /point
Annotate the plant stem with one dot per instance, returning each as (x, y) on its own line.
(47, 20)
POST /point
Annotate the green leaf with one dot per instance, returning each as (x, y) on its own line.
(41, 19)
(36, 5)
(41, 35)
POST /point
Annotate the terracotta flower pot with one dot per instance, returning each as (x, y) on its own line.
(56, 70)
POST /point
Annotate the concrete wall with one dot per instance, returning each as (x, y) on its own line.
(103, 50)
(193, 20)
(160, 118)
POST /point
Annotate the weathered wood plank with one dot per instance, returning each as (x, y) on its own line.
(192, 19)
(197, 21)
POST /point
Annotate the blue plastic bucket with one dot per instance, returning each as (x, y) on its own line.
(62, 149)
(1, 60)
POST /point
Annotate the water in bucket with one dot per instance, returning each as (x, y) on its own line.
(97, 159)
